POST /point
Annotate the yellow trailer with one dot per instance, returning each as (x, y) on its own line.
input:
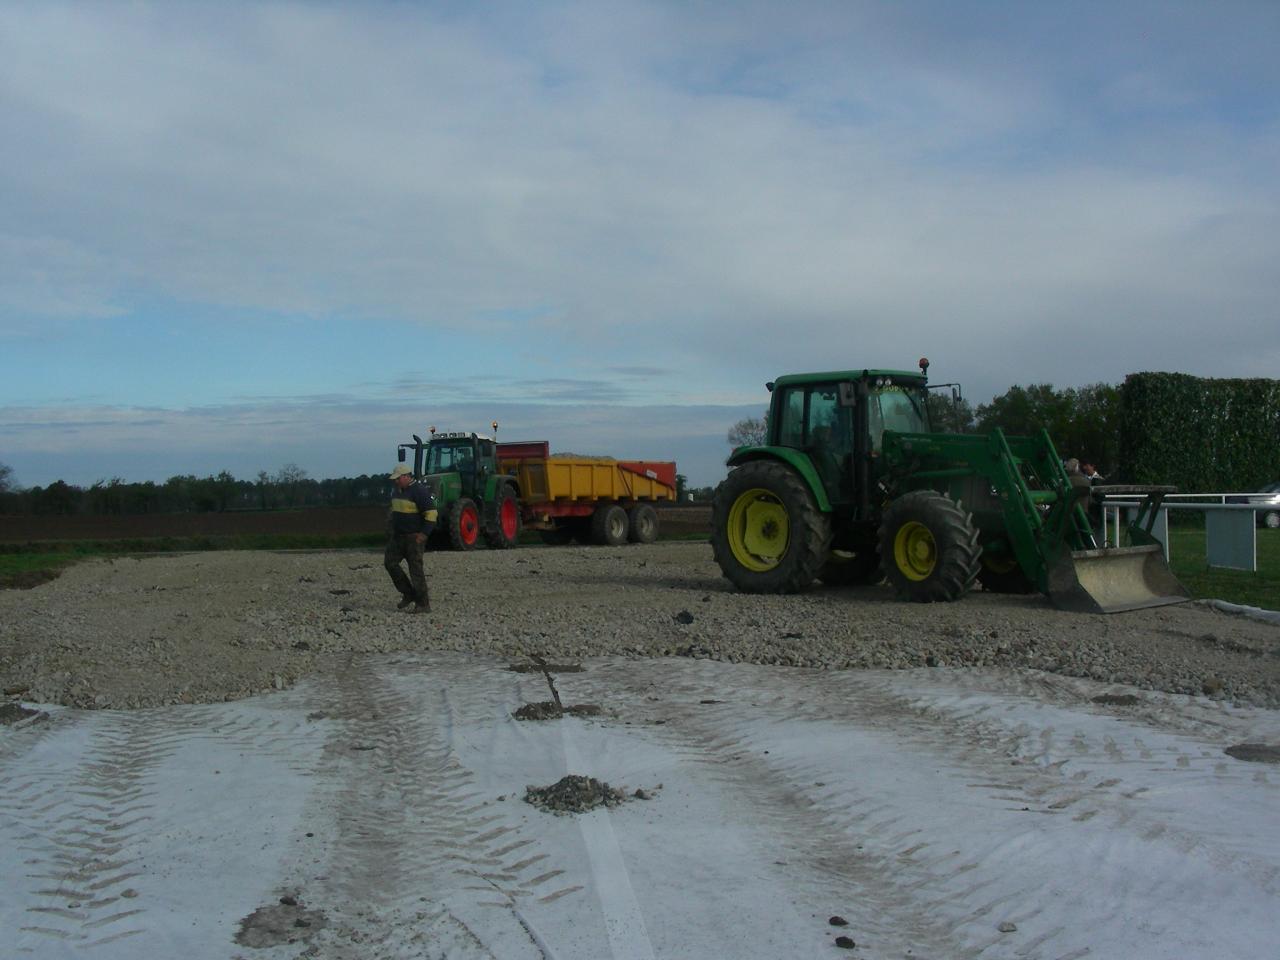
(583, 478)
(593, 499)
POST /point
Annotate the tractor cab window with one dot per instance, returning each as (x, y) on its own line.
(791, 422)
(830, 439)
(813, 420)
(894, 408)
(449, 458)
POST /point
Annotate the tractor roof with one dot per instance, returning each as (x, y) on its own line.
(794, 378)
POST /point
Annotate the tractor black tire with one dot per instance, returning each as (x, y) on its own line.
(642, 524)
(463, 524)
(929, 547)
(609, 525)
(1003, 575)
(558, 536)
(502, 519)
(851, 569)
(767, 533)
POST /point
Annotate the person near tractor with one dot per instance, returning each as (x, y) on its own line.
(412, 518)
(1091, 473)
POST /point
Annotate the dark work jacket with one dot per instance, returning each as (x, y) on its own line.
(413, 510)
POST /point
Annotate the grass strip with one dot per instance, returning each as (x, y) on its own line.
(1259, 588)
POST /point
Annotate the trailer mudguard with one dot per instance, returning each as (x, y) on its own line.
(796, 459)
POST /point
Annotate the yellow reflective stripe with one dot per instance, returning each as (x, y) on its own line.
(403, 506)
(430, 515)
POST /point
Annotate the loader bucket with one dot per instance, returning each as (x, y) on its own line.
(1113, 580)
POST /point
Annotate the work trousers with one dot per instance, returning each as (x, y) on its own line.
(407, 548)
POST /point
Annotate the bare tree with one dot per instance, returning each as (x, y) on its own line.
(6, 478)
(290, 478)
(750, 432)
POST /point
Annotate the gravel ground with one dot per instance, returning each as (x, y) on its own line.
(129, 633)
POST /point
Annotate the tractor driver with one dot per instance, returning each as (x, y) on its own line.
(412, 518)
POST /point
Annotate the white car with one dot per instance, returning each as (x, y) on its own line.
(1267, 502)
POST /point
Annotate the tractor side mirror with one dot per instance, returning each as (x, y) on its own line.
(400, 454)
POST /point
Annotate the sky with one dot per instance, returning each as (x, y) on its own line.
(235, 236)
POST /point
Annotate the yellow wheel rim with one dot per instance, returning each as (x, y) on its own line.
(999, 563)
(914, 551)
(758, 530)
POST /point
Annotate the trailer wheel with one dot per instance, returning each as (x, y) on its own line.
(642, 524)
(502, 519)
(929, 547)
(767, 533)
(1271, 520)
(844, 569)
(464, 524)
(1002, 574)
(609, 525)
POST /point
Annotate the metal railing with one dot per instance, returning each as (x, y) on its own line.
(1230, 529)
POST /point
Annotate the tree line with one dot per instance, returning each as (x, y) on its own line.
(287, 488)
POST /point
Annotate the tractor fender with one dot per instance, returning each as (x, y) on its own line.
(496, 483)
(797, 460)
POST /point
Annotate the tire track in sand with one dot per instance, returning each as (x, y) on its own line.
(419, 860)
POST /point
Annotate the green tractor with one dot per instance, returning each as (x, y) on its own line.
(473, 497)
(852, 487)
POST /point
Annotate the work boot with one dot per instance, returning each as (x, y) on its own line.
(422, 606)
(405, 600)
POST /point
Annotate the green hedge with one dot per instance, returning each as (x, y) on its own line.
(1199, 434)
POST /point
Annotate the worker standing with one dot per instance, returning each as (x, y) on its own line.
(413, 516)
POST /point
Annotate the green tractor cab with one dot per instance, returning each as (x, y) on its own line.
(853, 487)
(473, 497)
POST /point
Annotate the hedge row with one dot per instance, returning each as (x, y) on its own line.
(1200, 434)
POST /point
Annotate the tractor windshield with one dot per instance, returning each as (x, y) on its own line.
(895, 408)
(449, 457)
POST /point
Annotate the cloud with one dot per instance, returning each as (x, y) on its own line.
(634, 204)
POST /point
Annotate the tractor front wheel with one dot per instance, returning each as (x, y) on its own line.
(1000, 573)
(502, 520)
(464, 524)
(767, 533)
(929, 547)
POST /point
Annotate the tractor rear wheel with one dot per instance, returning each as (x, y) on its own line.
(1000, 573)
(767, 533)
(929, 547)
(464, 524)
(609, 525)
(502, 520)
(844, 569)
(642, 524)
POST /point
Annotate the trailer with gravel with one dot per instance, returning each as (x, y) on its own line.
(490, 490)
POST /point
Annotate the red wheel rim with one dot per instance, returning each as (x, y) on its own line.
(508, 519)
(469, 525)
